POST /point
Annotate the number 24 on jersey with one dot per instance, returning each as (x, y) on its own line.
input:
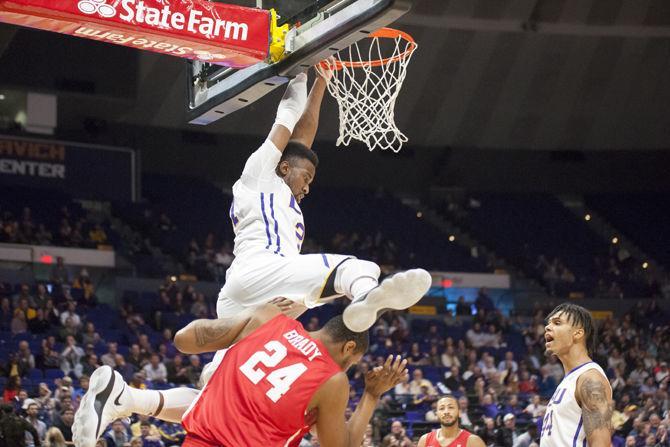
(281, 379)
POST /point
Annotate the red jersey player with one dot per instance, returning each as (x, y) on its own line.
(450, 434)
(275, 381)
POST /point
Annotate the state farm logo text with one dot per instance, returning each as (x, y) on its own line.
(194, 21)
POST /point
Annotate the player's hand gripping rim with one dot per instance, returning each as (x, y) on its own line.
(382, 378)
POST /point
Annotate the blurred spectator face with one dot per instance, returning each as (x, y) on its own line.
(155, 360)
(66, 402)
(44, 389)
(112, 347)
(510, 422)
(514, 400)
(70, 339)
(477, 327)
(488, 399)
(71, 306)
(41, 290)
(417, 375)
(118, 426)
(167, 334)
(509, 356)
(135, 349)
(145, 429)
(119, 360)
(654, 420)
(67, 417)
(32, 410)
(536, 399)
(136, 443)
(630, 441)
(101, 443)
(489, 423)
(195, 361)
(650, 441)
(463, 404)
(396, 427)
(178, 360)
(22, 395)
(23, 347)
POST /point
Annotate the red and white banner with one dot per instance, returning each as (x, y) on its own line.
(228, 35)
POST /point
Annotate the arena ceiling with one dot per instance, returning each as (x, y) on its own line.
(522, 74)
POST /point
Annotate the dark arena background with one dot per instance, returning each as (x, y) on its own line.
(535, 173)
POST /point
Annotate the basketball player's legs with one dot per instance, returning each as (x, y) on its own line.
(311, 280)
(109, 398)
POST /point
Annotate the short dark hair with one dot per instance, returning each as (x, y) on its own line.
(339, 333)
(448, 396)
(580, 317)
(145, 424)
(295, 149)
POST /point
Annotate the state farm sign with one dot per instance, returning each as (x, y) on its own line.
(196, 29)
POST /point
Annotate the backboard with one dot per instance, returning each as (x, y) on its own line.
(317, 29)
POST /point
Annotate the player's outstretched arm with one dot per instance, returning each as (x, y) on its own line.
(306, 128)
(212, 335)
(290, 110)
(330, 424)
(594, 397)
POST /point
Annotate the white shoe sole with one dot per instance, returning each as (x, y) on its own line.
(398, 292)
(87, 427)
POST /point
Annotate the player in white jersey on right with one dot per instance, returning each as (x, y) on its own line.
(269, 229)
(580, 411)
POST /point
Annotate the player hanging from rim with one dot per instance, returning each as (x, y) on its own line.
(270, 229)
(450, 433)
(580, 411)
(274, 382)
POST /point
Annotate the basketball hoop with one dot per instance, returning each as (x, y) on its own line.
(367, 78)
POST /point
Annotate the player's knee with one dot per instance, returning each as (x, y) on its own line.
(357, 268)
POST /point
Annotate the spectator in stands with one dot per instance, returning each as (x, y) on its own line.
(535, 408)
(463, 411)
(507, 435)
(449, 357)
(488, 407)
(403, 388)
(55, 438)
(48, 358)
(125, 369)
(51, 313)
(71, 313)
(19, 325)
(397, 437)
(177, 372)
(508, 363)
(547, 384)
(149, 440)
(136, 428)
(91, 365)
(65, 424)
(135, 357)
(90, 336)
(6, 314)
(194, 369)
(32, 412)
(483, 301)
(416, 357)
(155, 370)
(14, 428)
(419, 381)
(71, 359)
(475, 337)
(488, 431)
(39, 324)
(97, 235)
(25, 358)
(12, 387)
(528, 437)
(118, 435)
(109, 358)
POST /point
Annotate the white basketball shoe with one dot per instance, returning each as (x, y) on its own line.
(105, 401)
(398, 292)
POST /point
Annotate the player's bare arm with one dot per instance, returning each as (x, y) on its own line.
(208, 335)
(422, 441)
(306, 128)
(594, 396)
(332, 429)
(475, 441)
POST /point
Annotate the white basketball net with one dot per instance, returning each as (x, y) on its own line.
(366, 92)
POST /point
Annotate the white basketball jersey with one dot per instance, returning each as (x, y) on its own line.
(265, 215)
(562, 425)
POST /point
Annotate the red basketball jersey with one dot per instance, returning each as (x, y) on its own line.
(259, 393)
(460, 441)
